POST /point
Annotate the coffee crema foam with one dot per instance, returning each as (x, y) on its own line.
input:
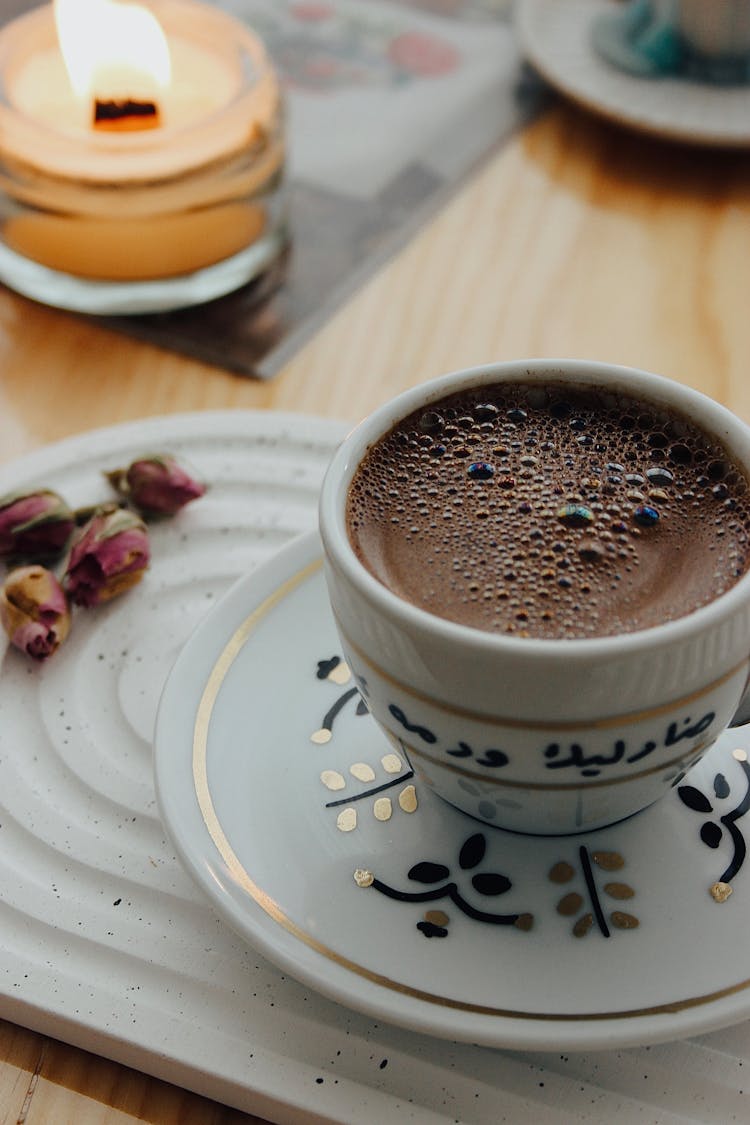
(556, 510)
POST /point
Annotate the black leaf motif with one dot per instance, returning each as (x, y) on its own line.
(694, 799)
(325, 667)
(427, 872)
(431, 930)
(491, 883)
(472, 851)
(462, 751)
(711, 834)
(721, 786)
(362, 707)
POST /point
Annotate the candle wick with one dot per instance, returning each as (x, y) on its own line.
(127, 113)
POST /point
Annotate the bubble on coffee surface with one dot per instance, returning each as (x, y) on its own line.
(575, 515)
(481, 470)
(488, 509)
(645, 516)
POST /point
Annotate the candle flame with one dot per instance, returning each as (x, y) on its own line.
(111, 49)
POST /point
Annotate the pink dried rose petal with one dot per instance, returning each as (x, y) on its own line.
(34, 525)
(108, 557)
(156, 484)
(34, 611)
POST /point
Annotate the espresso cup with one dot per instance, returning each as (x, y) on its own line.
(541, 736)
(714, 29)
(704, 39)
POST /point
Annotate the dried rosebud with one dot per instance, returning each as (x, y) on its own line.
(107, 557)
(156, 484)
(34, 611)
(34, 525)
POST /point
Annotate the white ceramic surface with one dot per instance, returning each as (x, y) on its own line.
(109, 944)
(313, 840)
(556, 37)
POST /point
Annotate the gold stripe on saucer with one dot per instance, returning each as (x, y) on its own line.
(539, 724)
(268, 904)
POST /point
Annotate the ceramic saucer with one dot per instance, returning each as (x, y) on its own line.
(556, 36)
(319, 845)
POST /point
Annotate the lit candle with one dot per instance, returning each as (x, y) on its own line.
(142, 161)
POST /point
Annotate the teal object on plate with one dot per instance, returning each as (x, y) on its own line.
(648, 38)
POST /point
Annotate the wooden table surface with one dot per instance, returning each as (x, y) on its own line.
(577, 239)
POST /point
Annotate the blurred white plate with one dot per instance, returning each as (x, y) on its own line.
(556, 37)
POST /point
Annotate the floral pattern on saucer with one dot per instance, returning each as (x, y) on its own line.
(586, 906)
(313, 837)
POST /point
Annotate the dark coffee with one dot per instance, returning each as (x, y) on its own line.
(551, 511)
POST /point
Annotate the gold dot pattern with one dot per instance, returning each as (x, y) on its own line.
(391, 763)
(407, 799)
(437, 917)
(570, 904)
(583, 925)
(346, 821)
(363, 877)
(362, 771)
(608, 861)
(332, 779)
(320, 737)
(383, 809)
(619, 890)
(623, 921)
(341, 674)
(561, 873)
(739, 755)
(720, 892)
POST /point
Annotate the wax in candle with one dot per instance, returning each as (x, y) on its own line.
(222, 91)
(201, 84)
(140, 249)
(201, 187)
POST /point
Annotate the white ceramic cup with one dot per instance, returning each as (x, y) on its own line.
(707, 40)
(714, 29)
(539, 736)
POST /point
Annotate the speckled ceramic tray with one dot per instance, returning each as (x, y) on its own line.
(556, 36)
(108, 943)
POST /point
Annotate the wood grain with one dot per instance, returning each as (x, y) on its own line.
(43, 1081)
(576, 239)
